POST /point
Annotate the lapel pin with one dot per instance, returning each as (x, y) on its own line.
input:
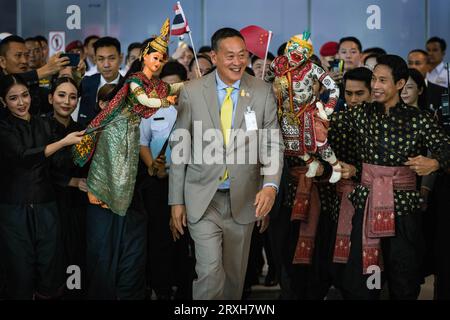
(243, 93)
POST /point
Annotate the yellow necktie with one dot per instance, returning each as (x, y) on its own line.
(226, 115)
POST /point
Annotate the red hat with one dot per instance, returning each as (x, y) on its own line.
(74, 45)
(329, 49)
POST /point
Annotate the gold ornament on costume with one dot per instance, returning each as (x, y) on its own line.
(161, 42)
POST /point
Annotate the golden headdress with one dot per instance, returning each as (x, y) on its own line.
(161, 42)
(303, 40)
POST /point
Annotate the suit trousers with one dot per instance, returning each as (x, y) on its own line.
(168, 263)
(221, 250)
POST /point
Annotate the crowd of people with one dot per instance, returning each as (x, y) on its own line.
(88, 180)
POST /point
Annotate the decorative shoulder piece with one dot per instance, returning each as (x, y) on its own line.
(138, 91)
(281, 65)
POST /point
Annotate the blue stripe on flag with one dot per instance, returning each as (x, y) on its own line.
(178, 19)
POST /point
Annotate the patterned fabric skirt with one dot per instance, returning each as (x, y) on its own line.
(113, 170)
(301, 136)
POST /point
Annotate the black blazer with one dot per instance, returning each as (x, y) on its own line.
(434, 94)
(88, 89)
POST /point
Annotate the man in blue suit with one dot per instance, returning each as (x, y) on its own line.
(108, 58)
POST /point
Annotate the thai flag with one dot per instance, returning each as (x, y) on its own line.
(179, 24)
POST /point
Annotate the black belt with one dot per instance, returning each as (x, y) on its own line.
(223, 190)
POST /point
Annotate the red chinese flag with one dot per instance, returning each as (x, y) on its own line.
(256, 39)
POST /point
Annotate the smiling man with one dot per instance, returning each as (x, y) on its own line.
(386, 227)
(220, 202)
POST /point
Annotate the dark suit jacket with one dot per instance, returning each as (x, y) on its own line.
(88, 93)
(434, 94)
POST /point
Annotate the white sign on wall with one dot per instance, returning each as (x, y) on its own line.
(73, 22)
(374, 20)
(56, 42)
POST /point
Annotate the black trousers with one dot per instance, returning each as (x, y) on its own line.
(441, 201)
(259, 242)
(159, 240)
(116, 253)
(73, 227)
(169, 263)
(31, 251)
(280, 226)
(310, 282)
(403, 260)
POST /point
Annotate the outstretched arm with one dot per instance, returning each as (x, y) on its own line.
(329, 83)
(145, 100)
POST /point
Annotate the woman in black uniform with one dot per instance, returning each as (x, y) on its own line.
(30, 235)
(70, 187)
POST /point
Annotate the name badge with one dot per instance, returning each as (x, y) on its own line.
(250, 119)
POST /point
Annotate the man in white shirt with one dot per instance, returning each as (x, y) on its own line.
(91, 68)
(108, 58)
(155, 154)
(438, 73)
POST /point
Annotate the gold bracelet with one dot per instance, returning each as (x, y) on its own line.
(138, 91)
(165, 103)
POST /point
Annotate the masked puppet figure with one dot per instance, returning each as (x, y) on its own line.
(303, 117)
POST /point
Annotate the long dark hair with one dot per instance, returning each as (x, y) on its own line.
(8, 81)
(420, 81)
(60, 81)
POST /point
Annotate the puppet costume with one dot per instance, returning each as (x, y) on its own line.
(303, 118)
(114, 149)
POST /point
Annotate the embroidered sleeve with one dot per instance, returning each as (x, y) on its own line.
(138, 91)
(143, 98)
(330, 84)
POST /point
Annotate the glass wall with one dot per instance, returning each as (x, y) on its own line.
(77, 19)
(283, 18)
(8, 16)
(136, 20)
(396, 25)
(439, 21)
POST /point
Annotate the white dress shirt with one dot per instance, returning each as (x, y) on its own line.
(439, 75)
